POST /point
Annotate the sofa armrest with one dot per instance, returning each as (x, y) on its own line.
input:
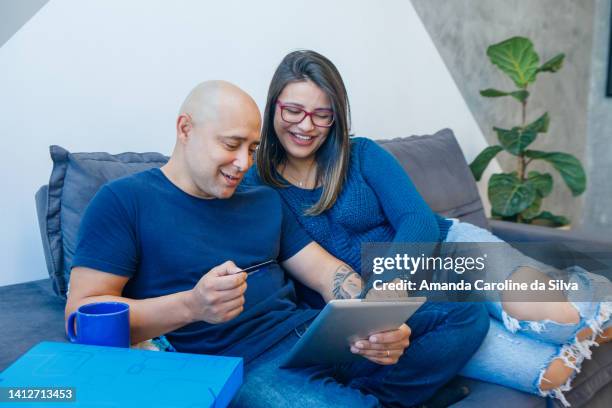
(515, 232)
(560, 248)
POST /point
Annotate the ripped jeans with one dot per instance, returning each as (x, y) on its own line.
(517, 353)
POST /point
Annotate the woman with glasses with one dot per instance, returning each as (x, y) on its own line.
(347, 191)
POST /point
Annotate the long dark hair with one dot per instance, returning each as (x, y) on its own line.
(332, 157)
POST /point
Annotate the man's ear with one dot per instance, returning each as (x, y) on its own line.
(183, 126)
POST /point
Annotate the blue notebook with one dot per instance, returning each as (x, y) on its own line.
(117, 377)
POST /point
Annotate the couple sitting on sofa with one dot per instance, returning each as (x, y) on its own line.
(171, 242)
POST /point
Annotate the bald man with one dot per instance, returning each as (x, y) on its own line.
(172, 242)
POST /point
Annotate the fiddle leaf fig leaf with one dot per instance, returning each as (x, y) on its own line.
(568, 166)
(516, 58)
(533, 210)
(540, 125)
(553, 65)
(481, 161)
(543, 182)
(508, 195)
(493, 93)
(550, 219)
(515, 140)
(520, 95)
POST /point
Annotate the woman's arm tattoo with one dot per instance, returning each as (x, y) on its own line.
(347, 283)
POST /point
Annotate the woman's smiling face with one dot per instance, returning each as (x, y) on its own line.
(302, 140)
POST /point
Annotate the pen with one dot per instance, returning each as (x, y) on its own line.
(255, 268)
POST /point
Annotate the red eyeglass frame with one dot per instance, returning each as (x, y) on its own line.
(306, 113)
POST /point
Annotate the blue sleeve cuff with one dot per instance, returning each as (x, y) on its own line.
(101, 266)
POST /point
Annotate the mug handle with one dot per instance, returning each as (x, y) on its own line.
(70, 328)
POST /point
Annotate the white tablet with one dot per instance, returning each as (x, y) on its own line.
(327, 340)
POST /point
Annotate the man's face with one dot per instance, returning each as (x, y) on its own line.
(219, 152)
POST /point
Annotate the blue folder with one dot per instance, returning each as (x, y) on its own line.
(117, 377)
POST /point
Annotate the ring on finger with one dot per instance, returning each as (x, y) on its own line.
(388, 354)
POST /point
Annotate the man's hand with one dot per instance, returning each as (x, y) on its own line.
(219, 294)
(384, 348)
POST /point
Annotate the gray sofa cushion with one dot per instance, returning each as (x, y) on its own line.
(439, 171)
(75, 179)
(30, 314)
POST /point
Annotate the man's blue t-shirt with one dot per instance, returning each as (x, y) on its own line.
(144, 227)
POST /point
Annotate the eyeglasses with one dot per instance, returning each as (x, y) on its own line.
(293, 114)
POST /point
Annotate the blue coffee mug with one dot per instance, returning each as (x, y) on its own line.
(101, 324)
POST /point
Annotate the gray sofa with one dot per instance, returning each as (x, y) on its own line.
(33, 311)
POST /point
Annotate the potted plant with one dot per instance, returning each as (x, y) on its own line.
(518, 195)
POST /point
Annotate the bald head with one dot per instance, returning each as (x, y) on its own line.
(216, 100)
(217, 134)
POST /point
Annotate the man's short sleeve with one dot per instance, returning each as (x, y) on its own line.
(293, 237)
(107, 239)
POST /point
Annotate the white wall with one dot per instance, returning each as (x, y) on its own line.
(110, 75)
